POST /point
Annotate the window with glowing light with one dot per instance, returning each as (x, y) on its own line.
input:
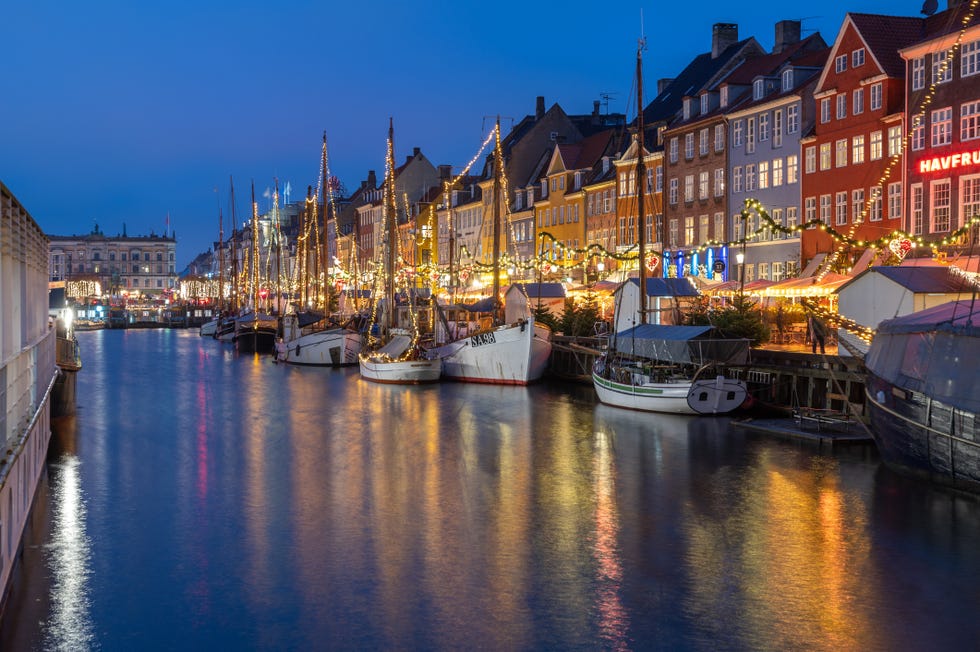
(942, 126)
(940, 205)
(970, 120)
(792, 168)
(840, 207)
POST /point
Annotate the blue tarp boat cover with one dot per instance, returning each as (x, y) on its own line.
(932, 352)
(681, 344)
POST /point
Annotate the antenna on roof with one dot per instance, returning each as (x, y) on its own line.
(606, 96)
(802, 31)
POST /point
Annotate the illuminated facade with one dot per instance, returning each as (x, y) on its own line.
(852, 165)
(121, 264)
(771, 107)
(943, 159)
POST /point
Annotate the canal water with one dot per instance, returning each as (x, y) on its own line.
(202, 500)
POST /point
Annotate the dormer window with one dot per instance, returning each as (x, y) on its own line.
(758, 89)
(787, 80)
(544, 188)
(704, 103)
(518, 201)
(687, 108)
(724, 96)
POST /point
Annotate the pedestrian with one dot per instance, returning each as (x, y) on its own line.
(817, 334)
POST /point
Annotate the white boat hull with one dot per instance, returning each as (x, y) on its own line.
(209, 328)
(333, 348)
(649, 397)
(514, 354)
(703, 396)
(400, 372)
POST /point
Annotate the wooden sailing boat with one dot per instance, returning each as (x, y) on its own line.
(226, 326)
(661, 368)
(498, 353)
(210, 328)
(311, 338)
(394, 355)
(255, 331)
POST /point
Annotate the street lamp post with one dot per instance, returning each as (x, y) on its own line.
(740, 259)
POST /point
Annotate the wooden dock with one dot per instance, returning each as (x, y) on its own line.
(826, 433)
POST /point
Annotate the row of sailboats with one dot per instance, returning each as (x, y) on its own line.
(498, 353)
(403, 337)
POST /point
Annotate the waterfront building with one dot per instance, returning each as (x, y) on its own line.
(562, 210)
(688, 117)
(852, 163)
(602, 214)
(770, 107)
(121, 264)
(412, 179)
(27, 371)
(942, 164)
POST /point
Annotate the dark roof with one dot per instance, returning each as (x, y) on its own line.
(666, 287)
(769, 64)
(541, 290)
(690, 80)
(924, 279)
(886, 35)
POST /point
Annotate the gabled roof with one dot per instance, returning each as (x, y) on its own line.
(886, 35)
(801, 89)
(692, 79)
(769, 64)
(934, 279)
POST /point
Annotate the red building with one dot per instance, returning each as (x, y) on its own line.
(943, 100)
(852, 163)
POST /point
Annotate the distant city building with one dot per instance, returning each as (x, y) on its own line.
(121, 264)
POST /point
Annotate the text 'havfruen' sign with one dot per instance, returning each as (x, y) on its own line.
(949, 162)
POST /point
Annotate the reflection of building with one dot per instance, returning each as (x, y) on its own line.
(122, 263)
(943, 159)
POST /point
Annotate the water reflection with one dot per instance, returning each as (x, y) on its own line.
(274, 507)
(69, 625)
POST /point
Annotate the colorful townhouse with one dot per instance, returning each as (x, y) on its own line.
(852, 163)
(696, 155)
(942, 162)
(562, 210)
(772, 109)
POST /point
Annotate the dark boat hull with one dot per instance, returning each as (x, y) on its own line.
(923, 436)
(255, 341)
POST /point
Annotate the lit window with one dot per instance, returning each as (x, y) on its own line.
(857, 150)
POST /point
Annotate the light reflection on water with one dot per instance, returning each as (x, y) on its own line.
(69, 624)
(262, 506)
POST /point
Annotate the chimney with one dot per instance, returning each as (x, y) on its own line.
(663, 83)
(445, 172)
(595, 107)
(787, 34)
(722, 35)
(372, 180)
(416, 151)
(539, 108)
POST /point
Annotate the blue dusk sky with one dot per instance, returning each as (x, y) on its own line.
(127, 112)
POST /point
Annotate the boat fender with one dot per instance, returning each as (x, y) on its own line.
(298, 348)
(523, 323)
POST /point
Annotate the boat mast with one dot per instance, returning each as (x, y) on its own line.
(390, 209)
(234, 252)
(325, 256)
(221, 261)
(278, 235)
(497, 163)
(255, 253)
(641, 182)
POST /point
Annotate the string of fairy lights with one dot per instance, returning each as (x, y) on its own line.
(555, 256)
